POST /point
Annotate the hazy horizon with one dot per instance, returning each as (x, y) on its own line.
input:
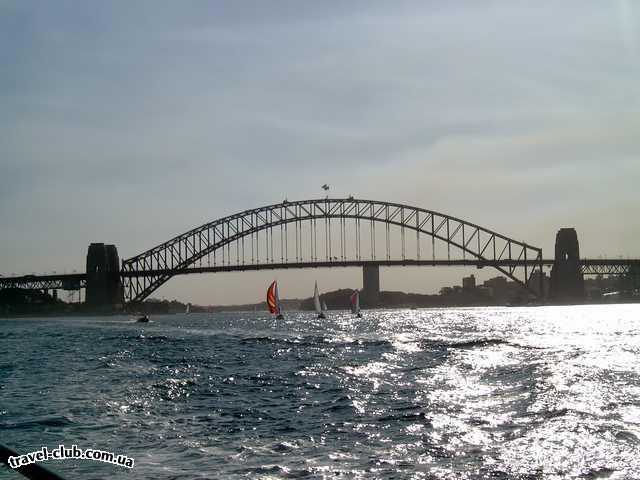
(132, 123)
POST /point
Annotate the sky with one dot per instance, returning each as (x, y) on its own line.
(132, 122)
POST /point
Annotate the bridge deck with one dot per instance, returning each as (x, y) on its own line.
(75, 281)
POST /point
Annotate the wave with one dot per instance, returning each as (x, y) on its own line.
(141, 337)
(56, 421)
(407, 417)
(627, 436)
(276, 471)
(283, 447)
(603, 472)
(551, 413)
(314, 341)
(7, 367)
(473, 343)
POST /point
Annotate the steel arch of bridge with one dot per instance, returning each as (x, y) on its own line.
(147, 271)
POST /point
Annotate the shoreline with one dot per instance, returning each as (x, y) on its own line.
(230, 308)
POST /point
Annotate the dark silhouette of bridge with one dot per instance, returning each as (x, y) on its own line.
(328, 233)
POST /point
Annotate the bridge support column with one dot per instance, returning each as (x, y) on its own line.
(567, 281)
(371, 285)
(104, 287)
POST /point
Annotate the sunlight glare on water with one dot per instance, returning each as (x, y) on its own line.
(544, 392)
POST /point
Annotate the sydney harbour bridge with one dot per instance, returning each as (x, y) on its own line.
(325, 233)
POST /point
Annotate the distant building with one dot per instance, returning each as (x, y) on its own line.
(496, 283)
(446, 291)
(469, 283)
(498, 287)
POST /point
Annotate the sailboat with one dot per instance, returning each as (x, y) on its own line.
(187, 309)
(316, 303)
(355, 303)
(273, 301)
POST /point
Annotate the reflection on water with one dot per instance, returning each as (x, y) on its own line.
(547, 392)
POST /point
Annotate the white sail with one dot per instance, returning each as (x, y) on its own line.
(188, 308)
(316, 299)
(324, 306)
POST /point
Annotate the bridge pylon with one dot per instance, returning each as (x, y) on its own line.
(567, 281)
(371, 285)
(104, 286)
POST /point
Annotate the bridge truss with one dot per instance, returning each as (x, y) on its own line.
(610, 267)
(329, 232)
(68, 281)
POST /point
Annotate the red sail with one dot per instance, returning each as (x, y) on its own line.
(355, 302)
(272, 298)
(353, 298)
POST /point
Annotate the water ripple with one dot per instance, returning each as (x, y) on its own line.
(526, 393)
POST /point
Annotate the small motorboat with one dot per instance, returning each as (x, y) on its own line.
(142, 319)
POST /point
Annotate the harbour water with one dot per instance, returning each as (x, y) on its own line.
(506, 393)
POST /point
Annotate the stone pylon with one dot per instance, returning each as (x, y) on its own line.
(567, 281)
